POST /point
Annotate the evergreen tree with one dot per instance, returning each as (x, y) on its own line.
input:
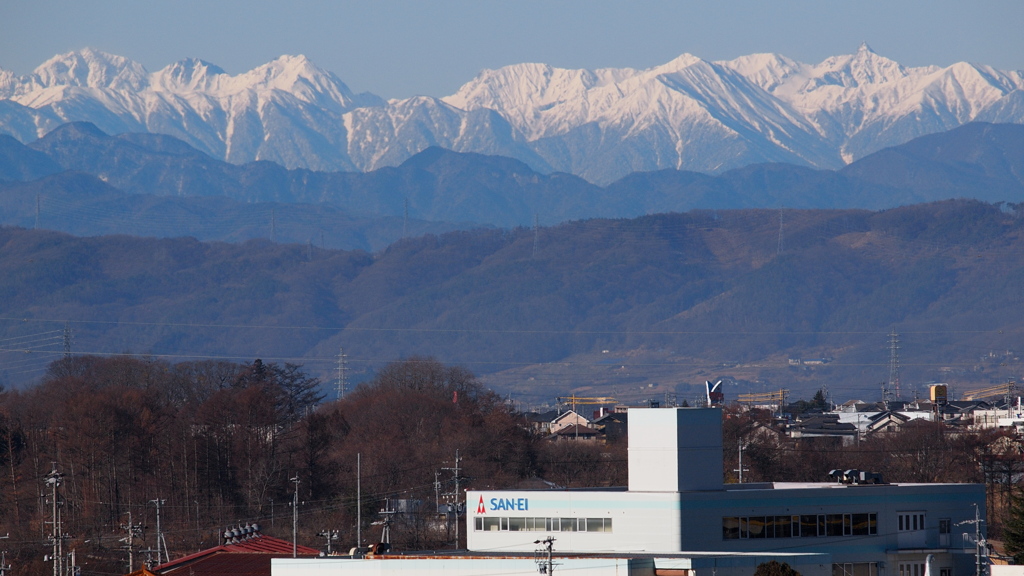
(1013, 529)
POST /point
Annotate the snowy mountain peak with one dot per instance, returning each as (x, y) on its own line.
(769, 71)
(521, 86)
(190, 74)
(601, 124)
(7, 83)
(91, 68)
(863, 67)
(285, 71)
(684, 60)
(299, 77)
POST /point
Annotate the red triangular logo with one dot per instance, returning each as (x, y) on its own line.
(480, 509)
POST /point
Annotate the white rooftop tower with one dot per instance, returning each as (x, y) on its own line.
(675, 449)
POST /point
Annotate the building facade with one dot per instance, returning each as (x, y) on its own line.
(676, 503)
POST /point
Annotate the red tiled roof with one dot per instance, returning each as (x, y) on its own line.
(249, 557)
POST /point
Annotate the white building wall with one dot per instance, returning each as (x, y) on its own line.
(641, 522)
(675, 449)
(456, 566)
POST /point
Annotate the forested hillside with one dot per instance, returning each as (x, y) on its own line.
(659, 302)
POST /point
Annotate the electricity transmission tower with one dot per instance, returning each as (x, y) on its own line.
(342, 384)
(894, 363)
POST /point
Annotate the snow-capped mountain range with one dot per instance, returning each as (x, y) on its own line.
(688, 114)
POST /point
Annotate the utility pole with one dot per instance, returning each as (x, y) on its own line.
(740, 467)
(4, 566)
(53, 480)
(330, 535)
(544, 560)
(454, 497)
(159, 533)
(385, 521)
(132, 531)
(359, 501)
(295, 518)
(980, 544)
(437, 490)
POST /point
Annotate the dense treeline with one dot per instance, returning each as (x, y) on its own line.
(221, 442)
(224, 444)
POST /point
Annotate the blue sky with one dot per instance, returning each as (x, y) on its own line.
(403, 48)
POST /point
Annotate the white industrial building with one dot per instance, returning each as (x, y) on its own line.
(677, 517)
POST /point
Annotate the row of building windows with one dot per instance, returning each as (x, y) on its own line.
(513, 524)
(806, 526)
(918, 569)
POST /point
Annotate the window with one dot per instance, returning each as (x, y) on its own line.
(910, 521)
(520, 524)
(864, 524)
(911, 568)
(808, 526)
(730, 528)
(945, 526)
(856, 569)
